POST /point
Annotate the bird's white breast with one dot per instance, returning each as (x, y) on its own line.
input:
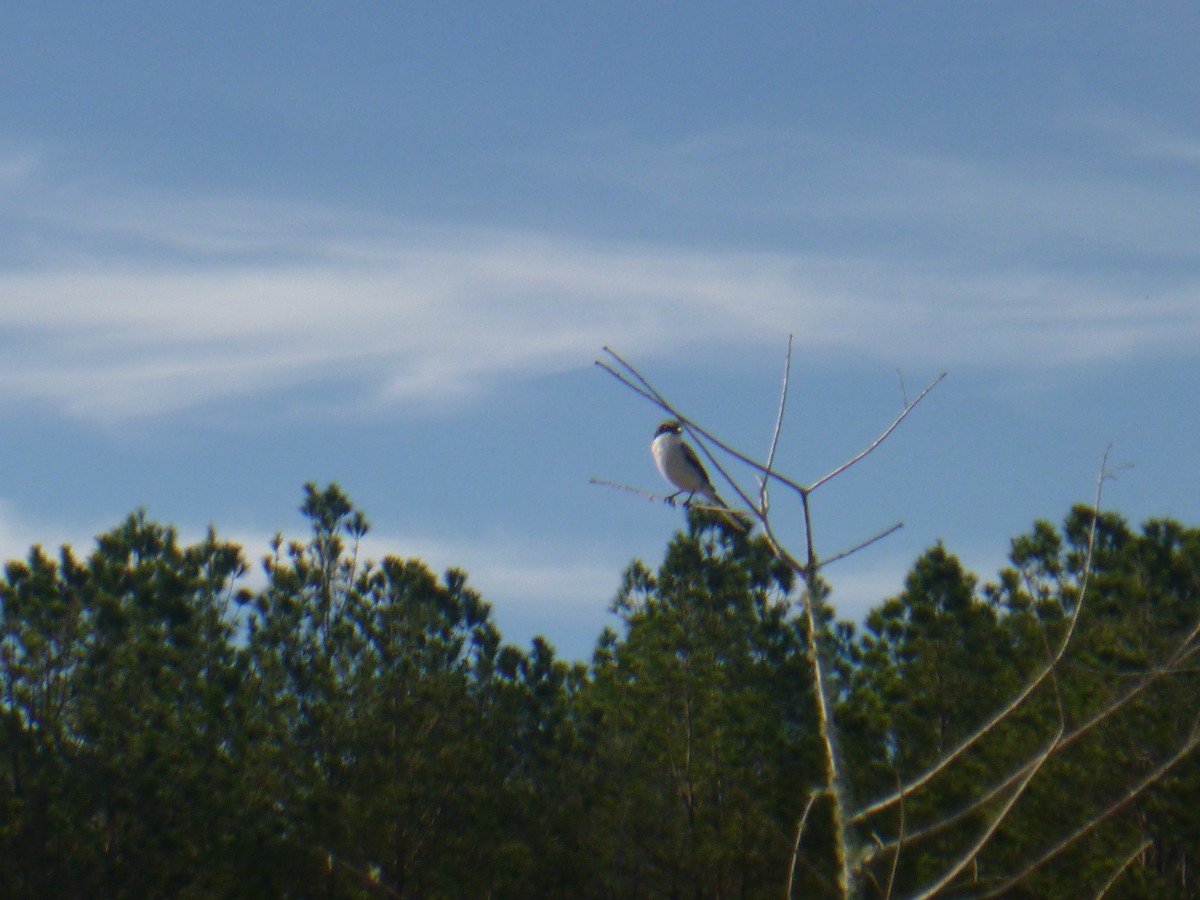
(673, 465)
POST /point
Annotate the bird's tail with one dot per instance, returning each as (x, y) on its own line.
(738, 521)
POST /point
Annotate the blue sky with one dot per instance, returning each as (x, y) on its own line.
(246, 246)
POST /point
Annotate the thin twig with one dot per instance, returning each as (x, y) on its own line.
(879, 440)
(650, 390)
(899, 844)
(629, 489)
(1138, 851)
(862, 546)
(644, 388)
(783, 392)
(812, 798)
(973, 851)
(658, 400)
(764, 502)
(665, 498)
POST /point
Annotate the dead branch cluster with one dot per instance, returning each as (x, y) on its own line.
(874, 860)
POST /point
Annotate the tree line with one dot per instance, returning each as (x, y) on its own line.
(360, 728)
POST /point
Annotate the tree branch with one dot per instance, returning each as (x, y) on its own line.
(1128, 861)
(812, 798)
(879, 440)
(973, 851)
(1126, 798)
(983, 730)
(861, 546)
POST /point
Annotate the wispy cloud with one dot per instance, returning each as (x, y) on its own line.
(1094, 186)
(1147, 139)
(16, 168)
(530, 574)
(18, 533)
(148, 305)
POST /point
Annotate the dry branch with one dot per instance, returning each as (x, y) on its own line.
(987, 727)
(1009, 789)
(812, 595)
(1156, 775)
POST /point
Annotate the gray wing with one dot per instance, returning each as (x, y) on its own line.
(690, 455)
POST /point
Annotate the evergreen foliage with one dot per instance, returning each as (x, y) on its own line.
(355, 728)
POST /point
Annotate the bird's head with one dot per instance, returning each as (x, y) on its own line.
(671, 426)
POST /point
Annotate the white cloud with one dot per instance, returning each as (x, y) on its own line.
(541, 587)
(535, 587)
(530, 574)
(16, 169)
(1096, 185)
(141, 307)
(1147, 138)
(19, 533)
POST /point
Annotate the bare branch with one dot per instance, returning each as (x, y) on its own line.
(1114, 706)
(666, 498)
(948, 759)
(769, 469)
(899, 844)
(1138, 851)
(629, 489)
(641, 385)
(973, 851)
(1116, 807)
(862, 546)
(658, 400)
(883, 437)
(647, 390)
(833, 771)
(633, 387)
(812, 798)
(806, 510)
(983, 730)
(783, 392)
(903, 391)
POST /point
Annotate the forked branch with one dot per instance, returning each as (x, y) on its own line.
(629, 375)
(814, 629)
(1002, 796)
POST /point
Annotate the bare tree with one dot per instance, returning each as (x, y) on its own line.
(863, 862)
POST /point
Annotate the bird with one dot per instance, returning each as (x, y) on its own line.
(679, 464)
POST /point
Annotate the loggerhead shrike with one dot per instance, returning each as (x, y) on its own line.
(679, 464)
